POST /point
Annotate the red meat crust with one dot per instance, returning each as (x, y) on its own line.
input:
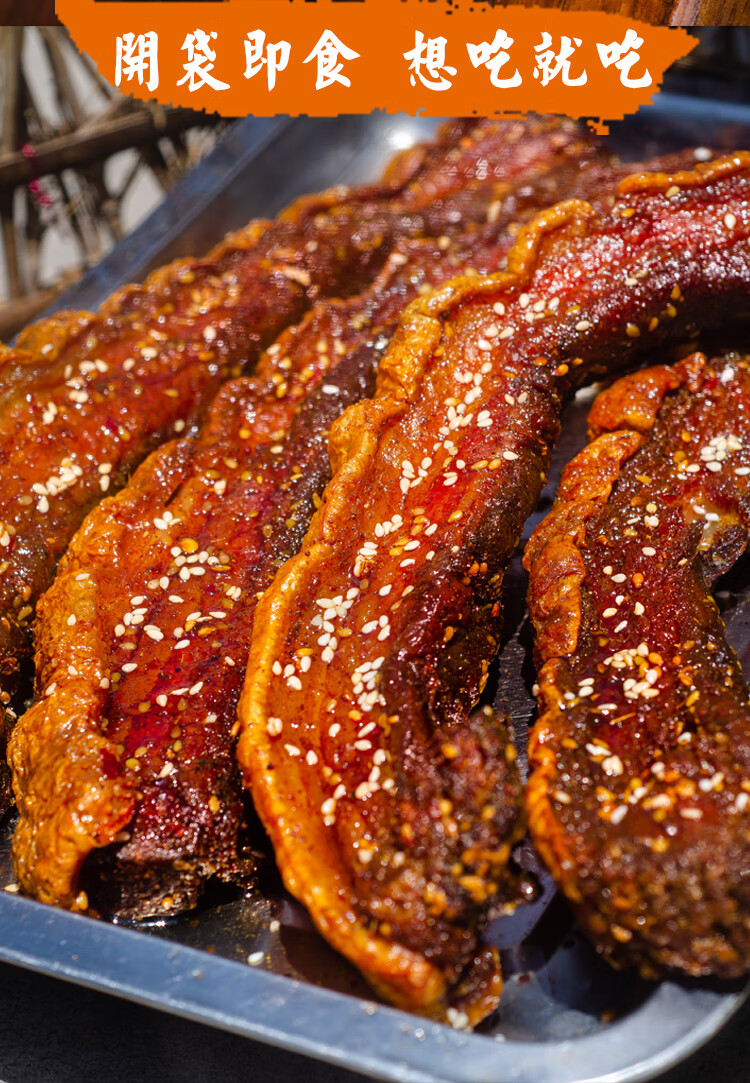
(372, 644)
(640, 759)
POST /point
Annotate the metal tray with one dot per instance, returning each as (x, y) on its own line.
(565, 1015)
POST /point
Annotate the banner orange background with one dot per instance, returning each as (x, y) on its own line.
(380, 31)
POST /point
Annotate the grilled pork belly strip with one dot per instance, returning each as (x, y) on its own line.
(84, 398)
(639, 795)
(372, 644)
(235, 503)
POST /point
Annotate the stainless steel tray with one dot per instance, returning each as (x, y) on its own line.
(565, 1015)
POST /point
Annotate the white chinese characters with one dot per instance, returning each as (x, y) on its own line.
(327, 53)
(137, 60)
(428, 63)
(494, 57)
(137, 57)
(624, 56)
(274, 55)
(550, 64)
(200, 62)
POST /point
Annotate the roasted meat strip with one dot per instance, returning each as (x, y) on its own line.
(639, 795)
(170, 570)
(84, 398)
(388, 817)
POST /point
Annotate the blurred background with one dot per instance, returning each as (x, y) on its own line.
(80, 165)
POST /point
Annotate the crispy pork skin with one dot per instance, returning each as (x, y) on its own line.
(640, 788)
(387, 814)
(170, 570)
(85, 397)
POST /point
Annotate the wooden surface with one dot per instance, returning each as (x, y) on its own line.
(659, 12)
(27, 12)
(712, 13)
(650, 11)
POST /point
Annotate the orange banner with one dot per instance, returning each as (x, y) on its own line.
(264, 57)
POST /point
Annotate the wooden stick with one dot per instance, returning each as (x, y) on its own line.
(90, 145)
(67, 98)
(10, 245)
(11, 43)
(16, 314)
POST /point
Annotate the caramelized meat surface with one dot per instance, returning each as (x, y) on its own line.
(389, 819)
(169, 573)
(84, 398)
(639, 795)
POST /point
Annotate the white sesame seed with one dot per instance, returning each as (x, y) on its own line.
(612, 765)
(595, 751)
